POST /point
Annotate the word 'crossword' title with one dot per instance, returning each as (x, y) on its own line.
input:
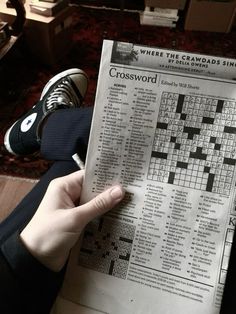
(113, 72)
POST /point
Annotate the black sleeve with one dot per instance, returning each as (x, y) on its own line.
(26, 286)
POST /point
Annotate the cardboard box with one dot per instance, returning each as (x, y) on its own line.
(166, 4)
(49, 38)
(211, 16)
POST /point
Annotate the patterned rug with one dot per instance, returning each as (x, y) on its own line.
(22, 77)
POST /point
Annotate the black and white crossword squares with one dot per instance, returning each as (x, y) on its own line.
(107, 246)
(195, 143)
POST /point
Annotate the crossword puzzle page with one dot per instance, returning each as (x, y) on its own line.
(170, 140)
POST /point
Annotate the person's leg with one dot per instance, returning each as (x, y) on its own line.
(66, 133)
(57, 143)
(60, 135)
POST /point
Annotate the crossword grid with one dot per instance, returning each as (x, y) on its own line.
(107, 246)
(194, 144)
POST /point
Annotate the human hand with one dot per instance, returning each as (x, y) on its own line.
(59, 221)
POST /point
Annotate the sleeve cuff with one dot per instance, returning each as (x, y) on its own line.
(23, 264)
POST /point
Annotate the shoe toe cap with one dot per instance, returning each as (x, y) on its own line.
(81, 82)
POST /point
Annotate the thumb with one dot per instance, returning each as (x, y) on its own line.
(100, 204)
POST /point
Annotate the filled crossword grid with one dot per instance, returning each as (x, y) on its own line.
(107, 246)
(195, 143)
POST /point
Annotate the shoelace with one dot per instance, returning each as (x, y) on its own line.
(62, 95)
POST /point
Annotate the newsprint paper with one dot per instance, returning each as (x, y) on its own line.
(164, 127)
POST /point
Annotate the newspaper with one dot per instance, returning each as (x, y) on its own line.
(170, 139)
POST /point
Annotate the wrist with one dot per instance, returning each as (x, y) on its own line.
(36, 246)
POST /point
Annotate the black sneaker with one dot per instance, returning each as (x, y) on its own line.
(66, 89)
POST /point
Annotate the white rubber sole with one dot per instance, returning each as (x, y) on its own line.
(59, 76)
(7, 142)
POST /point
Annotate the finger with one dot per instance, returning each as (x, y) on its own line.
(74, 178)
(71, 184)
(99, 205)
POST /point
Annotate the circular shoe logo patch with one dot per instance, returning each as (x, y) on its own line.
(28, 122)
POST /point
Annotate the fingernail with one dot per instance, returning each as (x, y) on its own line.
(117, 192)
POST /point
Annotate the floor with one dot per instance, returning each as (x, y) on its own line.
(12, 190)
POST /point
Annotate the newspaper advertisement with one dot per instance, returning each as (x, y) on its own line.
(170, 139)
(173, 60)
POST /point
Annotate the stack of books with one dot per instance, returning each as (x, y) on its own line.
(159, 17)
(47, 7)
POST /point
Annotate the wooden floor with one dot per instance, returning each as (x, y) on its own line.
(12, 190)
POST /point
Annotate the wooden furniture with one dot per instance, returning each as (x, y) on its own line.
(16, 27)
(49, 38)
(8, 45)
(210, 16)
